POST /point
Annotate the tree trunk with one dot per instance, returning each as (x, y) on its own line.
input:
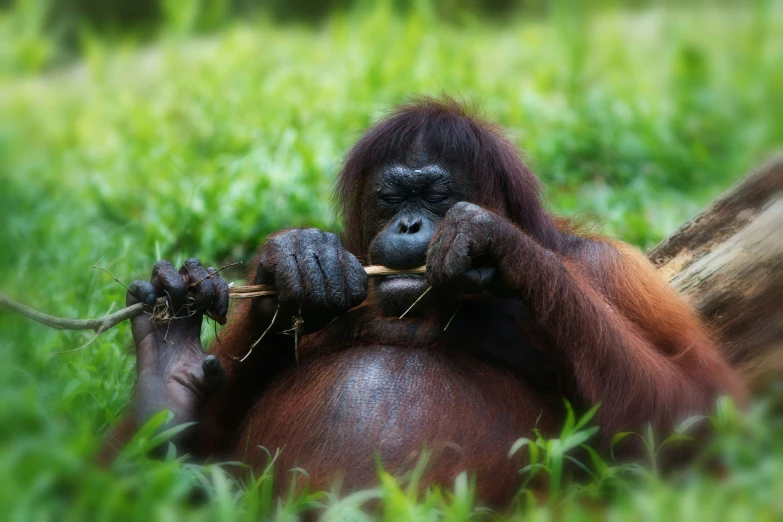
(728, 262)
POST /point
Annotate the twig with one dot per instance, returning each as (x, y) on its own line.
(112, 275)
(416, 301)
(246, 292)
(103, 323)
(452, 317)
(296, 330)
(99, 324)
(85, 345)
(271, 323)
(230, 265)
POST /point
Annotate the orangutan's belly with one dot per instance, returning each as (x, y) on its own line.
(333, 416)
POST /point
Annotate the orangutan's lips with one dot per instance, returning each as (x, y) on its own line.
(401, 283)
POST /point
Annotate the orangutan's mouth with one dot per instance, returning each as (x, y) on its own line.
(398, 292)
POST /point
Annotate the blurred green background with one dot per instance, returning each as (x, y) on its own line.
(133, 131)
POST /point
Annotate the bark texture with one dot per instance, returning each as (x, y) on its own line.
(728, 262)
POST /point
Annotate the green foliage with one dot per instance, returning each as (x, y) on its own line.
(202, 146)
(549, 455)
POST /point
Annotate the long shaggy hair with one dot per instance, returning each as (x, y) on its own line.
(458, 138)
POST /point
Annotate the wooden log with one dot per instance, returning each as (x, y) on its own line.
(728, 262)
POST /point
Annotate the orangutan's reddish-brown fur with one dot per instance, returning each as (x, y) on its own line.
(595, 324)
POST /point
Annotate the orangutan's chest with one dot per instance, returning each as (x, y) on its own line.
(342, 410)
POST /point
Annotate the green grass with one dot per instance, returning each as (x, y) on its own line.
(201, 146)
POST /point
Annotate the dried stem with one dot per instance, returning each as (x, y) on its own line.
(101, 324)
(271, 323)
(231, 265)
(112, 276)
(416, 301)
(452, 317)
(246, 292)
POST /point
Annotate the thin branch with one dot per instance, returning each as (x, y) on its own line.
(246, 292)
(296, 330)
(416, 301)
(452, 317)
(230, 265)
(98, 324)
(85, 345)
(112, 275)
(103, 323)
(274, 318)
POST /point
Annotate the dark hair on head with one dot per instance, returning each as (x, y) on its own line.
(457, 137)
